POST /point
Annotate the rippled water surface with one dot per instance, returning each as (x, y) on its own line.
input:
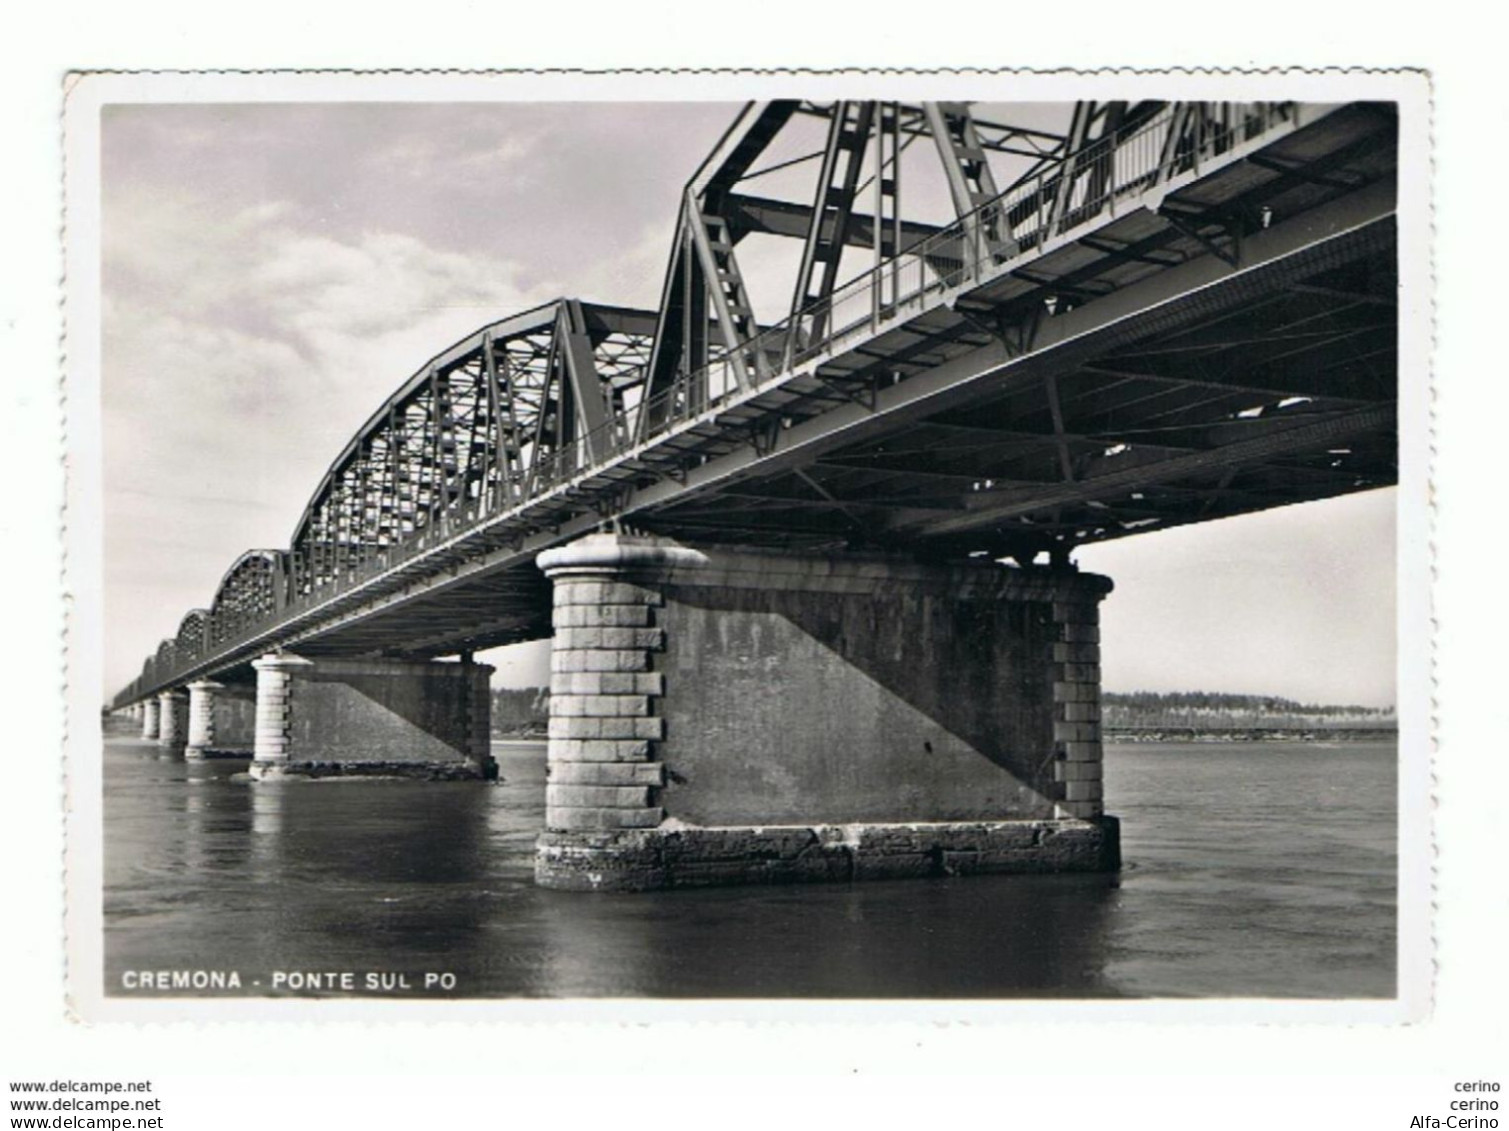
(1251, 870)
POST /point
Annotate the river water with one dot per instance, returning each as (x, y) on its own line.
(1255, 870)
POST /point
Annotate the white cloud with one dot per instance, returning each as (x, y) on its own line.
(242, 350)
(328, 293)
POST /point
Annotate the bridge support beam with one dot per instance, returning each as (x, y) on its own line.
(149, 719)
(729, 716)
(172, 720)
(332, 716)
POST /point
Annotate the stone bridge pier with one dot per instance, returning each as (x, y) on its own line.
(326, 716)
(731, 716)
(172, 720)
(221, 720)
(149, 719)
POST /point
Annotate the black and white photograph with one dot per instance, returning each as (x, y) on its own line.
(618, 565)
(830, 545)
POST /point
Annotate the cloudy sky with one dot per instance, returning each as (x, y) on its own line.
(272, 272)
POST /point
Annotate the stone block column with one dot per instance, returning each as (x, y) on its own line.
(477, 723)
(201, 736)
(173, 717)
(1077, 749)
(271, 742)
(149, 718)
(736, 715)
(602, 769)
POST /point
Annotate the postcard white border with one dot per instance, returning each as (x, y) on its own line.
(84, 571)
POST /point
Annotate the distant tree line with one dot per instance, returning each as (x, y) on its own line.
(520, 710)
(1227, 702)
(1216, 713)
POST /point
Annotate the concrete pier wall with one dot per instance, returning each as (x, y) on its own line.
(331, 716)
(859, 693)
(235, 718)
(728, 715)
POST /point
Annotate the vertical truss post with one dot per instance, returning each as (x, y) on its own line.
(281, 578)
(586, 385)
(724, 286)
(1174, 141)
(828, 229)
(340, 523)
(364, 498)
(351, 503)
(970, 181)
(510, 432)
(1063, 196)
(556, 418)
(1199, 140)
(694, 319)
(395, 514)
(679, 353)
(433, 422)
(447, 461)
(497, 465)
(479, 452)
(1087, 162)
(887, 233)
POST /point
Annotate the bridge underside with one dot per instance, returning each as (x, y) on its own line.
(1277, 395)
(1284, 398)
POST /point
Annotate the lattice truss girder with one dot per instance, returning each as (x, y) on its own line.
(192, 638)
(252, 591)
(487, 424)
(709, 336)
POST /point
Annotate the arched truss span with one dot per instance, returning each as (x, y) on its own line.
(511, 408)
(167, 654)
(192, 630)
(252, 590)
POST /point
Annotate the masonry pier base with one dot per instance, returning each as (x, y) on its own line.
(334, 716)
(729, 716)
(149, 719)
(222, 720)
(172, 721)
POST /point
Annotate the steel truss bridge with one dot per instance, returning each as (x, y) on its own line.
(1171, 313)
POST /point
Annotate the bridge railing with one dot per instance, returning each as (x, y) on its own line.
(1024, 221)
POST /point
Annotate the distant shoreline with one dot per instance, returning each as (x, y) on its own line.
(1155, 734)
(1249, 734)
(522, 715)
